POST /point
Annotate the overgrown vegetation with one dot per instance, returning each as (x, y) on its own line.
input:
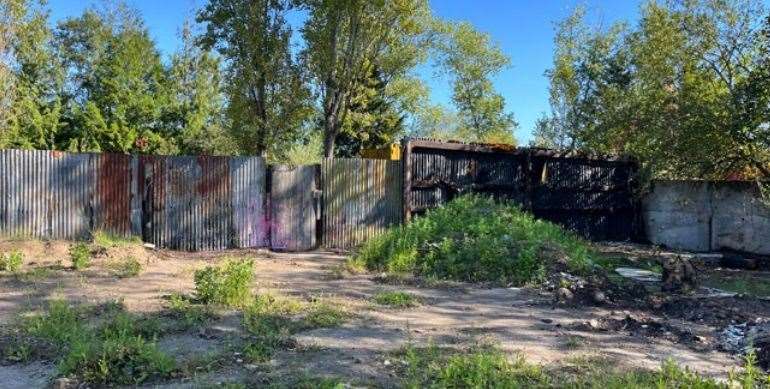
(271, 320)
(107, 240)
(118, 350)
(487, 367)
(475, 238)
(80, 255)
(11, 262)
(228, 284)
(395, 299)
(189, 313)
(126, 267)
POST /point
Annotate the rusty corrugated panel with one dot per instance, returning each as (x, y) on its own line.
(292, 213)
(112, 201)
(361, 198)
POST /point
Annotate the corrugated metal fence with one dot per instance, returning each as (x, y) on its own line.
(50, 194)
(361, 198)
(189, 203)
(213, 203)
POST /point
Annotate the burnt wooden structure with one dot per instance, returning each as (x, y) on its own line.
(593, 195)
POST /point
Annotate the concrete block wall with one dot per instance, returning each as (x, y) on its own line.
(707, 216)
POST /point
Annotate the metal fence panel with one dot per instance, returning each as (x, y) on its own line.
(361, 198)
(292, 208)
(247, 178)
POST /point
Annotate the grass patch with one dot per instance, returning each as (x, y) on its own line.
(487, 367)
(108, 239)
(117, 350)
(396, 299)
(126, 267)
(11, 262)
(187, 312)
(271, 321)
(742, 282)
(80, 255)
(475, 238)
(227, 285)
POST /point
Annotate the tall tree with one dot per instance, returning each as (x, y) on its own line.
(195, 116)
(471, 59)
(116, 94)
(34, 105)
(374, 120)
(345, 39)
(267, 94)
(667, 91)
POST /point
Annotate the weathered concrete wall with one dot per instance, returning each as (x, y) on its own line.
(707, 216)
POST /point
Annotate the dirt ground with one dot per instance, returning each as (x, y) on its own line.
(520, 320)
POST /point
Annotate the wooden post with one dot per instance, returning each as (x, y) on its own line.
(406, 163)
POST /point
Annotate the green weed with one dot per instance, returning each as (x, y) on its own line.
(120, 350)
(12, 261)
(190, 314)
(395, 299)
(271, 320)
(80, 255)
(475, 238)
(486, 367)
(125, 268)
(228, 284)
(324, 315)
(108, 239)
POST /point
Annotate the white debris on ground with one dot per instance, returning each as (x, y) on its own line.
(640, 275)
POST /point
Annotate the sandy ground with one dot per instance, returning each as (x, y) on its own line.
(520, 320)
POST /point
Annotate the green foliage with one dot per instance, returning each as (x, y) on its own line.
(271, 320)
(228, 284)
(116, 357)
(472, 59)
(340, 53)
(373, 121)
(107, 240)
(61, 324)
(485, 367)
(190, 314)
(80, 255)
(474, 238)
(12, 261)
(267, 94)
(665, 91)
(115, 352)
(126, 267)
(323, 315)
(396, 299)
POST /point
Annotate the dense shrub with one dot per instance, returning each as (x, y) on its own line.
(80, 255)
(11, 261)
(227, 285)
(119, 351)
(475, 238)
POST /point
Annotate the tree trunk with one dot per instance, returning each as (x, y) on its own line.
(330, 136)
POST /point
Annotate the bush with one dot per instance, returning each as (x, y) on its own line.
(116, 352)
(395, 299)
(127, 267)
(80, 255)
(475, 238)
(107, 240)
(227, 285)
(11, 261)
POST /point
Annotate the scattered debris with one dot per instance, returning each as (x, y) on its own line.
(678, 275)
(640, 275)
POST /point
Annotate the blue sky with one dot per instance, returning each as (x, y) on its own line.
(523, 28)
